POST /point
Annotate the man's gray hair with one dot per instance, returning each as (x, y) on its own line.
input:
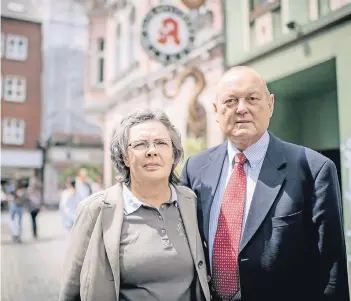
(120, 139)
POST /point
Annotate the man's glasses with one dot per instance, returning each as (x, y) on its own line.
(144, 145)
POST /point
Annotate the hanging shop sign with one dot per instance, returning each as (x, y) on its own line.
(167, 33)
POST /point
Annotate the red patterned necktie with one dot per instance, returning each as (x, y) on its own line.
(225, 267)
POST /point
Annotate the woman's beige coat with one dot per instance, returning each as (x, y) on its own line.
(91, 270)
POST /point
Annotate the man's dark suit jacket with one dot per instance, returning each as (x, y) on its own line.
(293, 245)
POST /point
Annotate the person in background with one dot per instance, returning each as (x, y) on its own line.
(68, 204)
(18, 201)
(97, 185)
(34, 191)
(81, 185)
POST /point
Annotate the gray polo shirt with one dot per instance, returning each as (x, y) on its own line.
(155, 259)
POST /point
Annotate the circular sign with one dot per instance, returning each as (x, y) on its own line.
(167, 33)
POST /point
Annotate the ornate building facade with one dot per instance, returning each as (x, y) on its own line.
(120, 76)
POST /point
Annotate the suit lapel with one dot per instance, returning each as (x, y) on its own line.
(269, 183)
(187, 208)
(209, 182)
(112, 220)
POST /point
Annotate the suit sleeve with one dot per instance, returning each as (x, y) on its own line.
(184, 178)
(79, 240)
(328, 217)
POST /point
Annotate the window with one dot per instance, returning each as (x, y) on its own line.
(265, 21)
(15, 88)
(259, 4)
(320, 8)
(13, 131)
(2, 44)
(264, 29)
(313, 10)
(118, 48)
(132, 44)
(16, 47)
(100, 46)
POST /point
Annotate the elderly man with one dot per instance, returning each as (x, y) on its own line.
(269, 211)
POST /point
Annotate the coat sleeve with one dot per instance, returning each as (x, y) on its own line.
(328, 218)
(79, 241)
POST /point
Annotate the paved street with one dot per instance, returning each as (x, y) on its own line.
(31, 271)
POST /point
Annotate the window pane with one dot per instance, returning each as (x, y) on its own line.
(15, 89)
(16, 47)
(132, 16)
(13, 131)
(101, 44)
(101, 70)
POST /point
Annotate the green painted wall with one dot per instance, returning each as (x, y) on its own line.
(308, 121)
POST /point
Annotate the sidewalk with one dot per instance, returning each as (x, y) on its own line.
(31, 271)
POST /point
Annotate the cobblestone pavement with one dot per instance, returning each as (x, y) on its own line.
(31, 271)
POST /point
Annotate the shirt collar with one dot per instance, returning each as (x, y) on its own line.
(254, 154)
(132, 203)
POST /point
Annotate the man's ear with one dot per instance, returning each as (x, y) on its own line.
(271, 104)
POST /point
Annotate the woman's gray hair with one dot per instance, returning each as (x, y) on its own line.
(120, 139)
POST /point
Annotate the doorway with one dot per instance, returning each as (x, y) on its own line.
(306, 110)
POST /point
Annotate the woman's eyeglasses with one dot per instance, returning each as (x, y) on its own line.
(143, 145)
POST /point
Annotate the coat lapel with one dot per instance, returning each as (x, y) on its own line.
(269, 183)
(187, 208)
(211, 173)
(112, 220)
(188, 212)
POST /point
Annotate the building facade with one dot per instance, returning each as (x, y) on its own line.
(302, 49)
(65, 34)
(122, 77)
(21, 70)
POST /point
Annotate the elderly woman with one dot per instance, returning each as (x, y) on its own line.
(138, 240)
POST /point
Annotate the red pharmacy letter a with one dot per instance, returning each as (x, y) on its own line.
(168, 30)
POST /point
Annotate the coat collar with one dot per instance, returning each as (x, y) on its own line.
(131, 203)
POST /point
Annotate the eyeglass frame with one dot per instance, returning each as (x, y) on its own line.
(149, 144)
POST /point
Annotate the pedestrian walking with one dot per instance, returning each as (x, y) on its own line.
(81, 184)
(34, 191)
(68, 204)
(18, 201)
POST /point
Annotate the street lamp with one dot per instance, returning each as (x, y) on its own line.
(44, 148)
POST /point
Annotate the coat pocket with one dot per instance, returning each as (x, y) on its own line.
(286, 220)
